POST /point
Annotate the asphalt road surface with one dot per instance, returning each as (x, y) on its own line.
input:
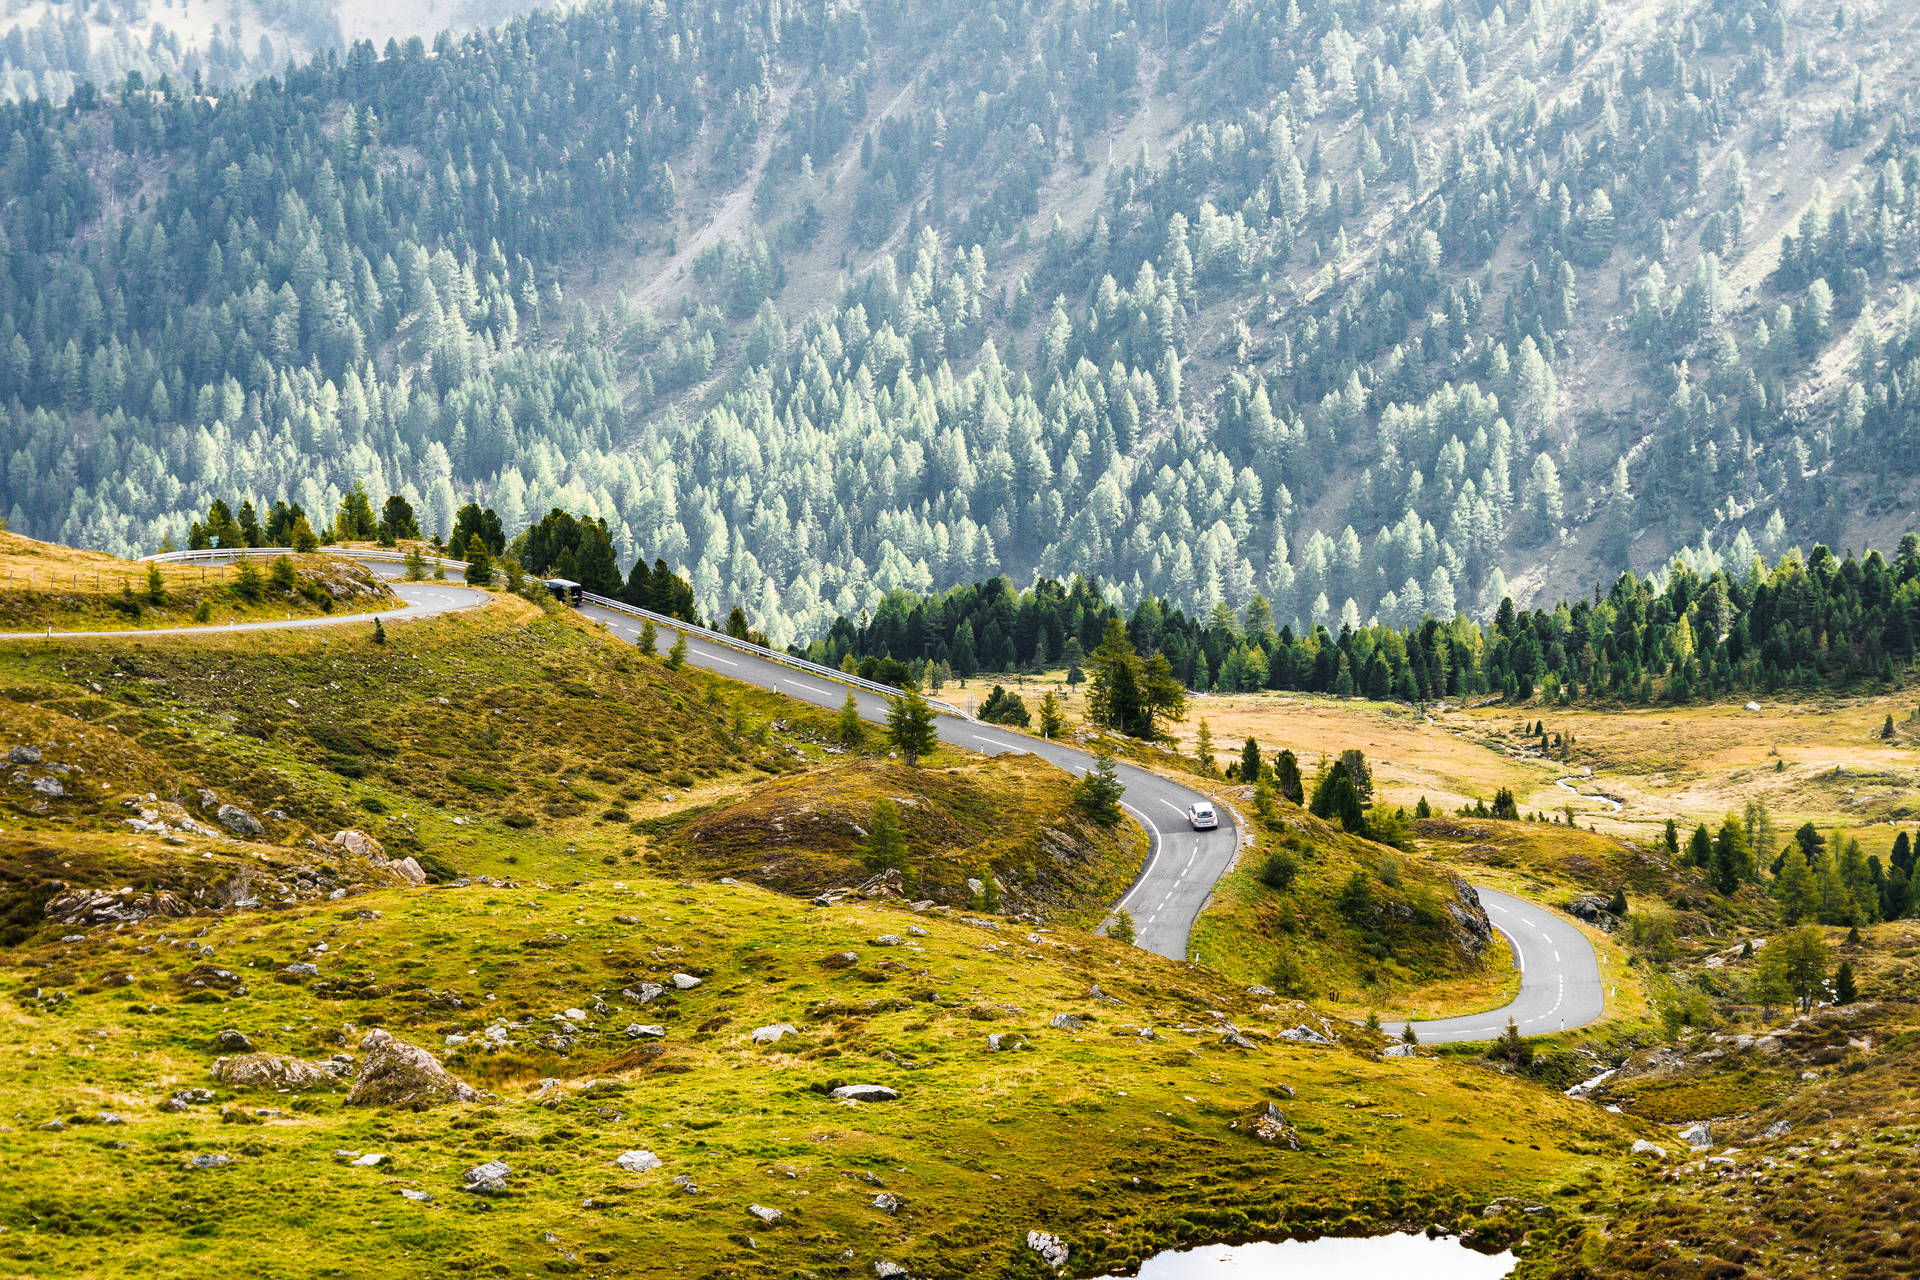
(1560, 984)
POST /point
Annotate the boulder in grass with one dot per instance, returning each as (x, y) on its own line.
(774, 1033)
(398, 1074)
(866, 1093)
(765, 1214)
(685, 981)
(489, 1179)
(239, 821)
(637, 1161)
(1051, 1248)
(271, 1071)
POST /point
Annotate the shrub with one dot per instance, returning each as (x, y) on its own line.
(1279, 870)
(1002, 707)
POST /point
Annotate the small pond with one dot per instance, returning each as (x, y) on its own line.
(1396, 1257)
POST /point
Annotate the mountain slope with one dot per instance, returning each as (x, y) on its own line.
(1401, 307)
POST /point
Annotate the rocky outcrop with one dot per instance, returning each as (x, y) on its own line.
(359, 844)
(1472, 931)
(271, 1071)
(398, 1074)
(113, 906)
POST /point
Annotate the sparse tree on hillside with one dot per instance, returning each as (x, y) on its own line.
(1098, 792)
(886, 845)
(910, 726)
(850, 728)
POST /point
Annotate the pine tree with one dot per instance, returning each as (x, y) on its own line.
(479, 562)
(1250, 762)
(1098, 793)
(850, 728)
(1844, 989)
(885, 848)
(649, 642)
(677, 655)
(1203, 748)
(379, 632)
(910, 726)
(1512, 1046)
(1286, 775)
(1122, 930)
(1052, 721)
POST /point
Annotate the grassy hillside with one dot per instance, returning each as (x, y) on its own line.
(600, 796)
(963, 818)
(1117, 1141)
(1411, 939)
(43, 584)
(1810, 1165)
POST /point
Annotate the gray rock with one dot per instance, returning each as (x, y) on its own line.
(239, 821)
(360, 844)
(418, 1197)
(214, 1161)
(637, 1161)
(271, 1071)
(1051, 1248)
(773, 1034)
(647, 993)
(233, 1041)
(889, 1270)
(645, 1030)
(685, 981)
(1304, 1035)
(1235, 1039)
(1270, 1124)
(50, 787)
(370, 1160)
(109, 1117)
(1698, 1136)
(766, 1215)
(1258, 990)
(841, 960)
(1641, 1147)
(398, 1074)
(1401, 1051)
(24, 754)
(887, 1202)
(301, 969)
(918, 932)
(1006, 1042)
(489, 1179)
(888, 940)
(1067, 1021)
(865, 1093)
(1778, 1129)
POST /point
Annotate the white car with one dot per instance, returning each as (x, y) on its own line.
(1203, 817)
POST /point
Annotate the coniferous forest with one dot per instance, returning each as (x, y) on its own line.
(1371, 312)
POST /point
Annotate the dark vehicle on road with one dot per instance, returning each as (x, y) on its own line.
(565, 590)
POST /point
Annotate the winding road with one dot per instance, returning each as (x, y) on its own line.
(1560, 983)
